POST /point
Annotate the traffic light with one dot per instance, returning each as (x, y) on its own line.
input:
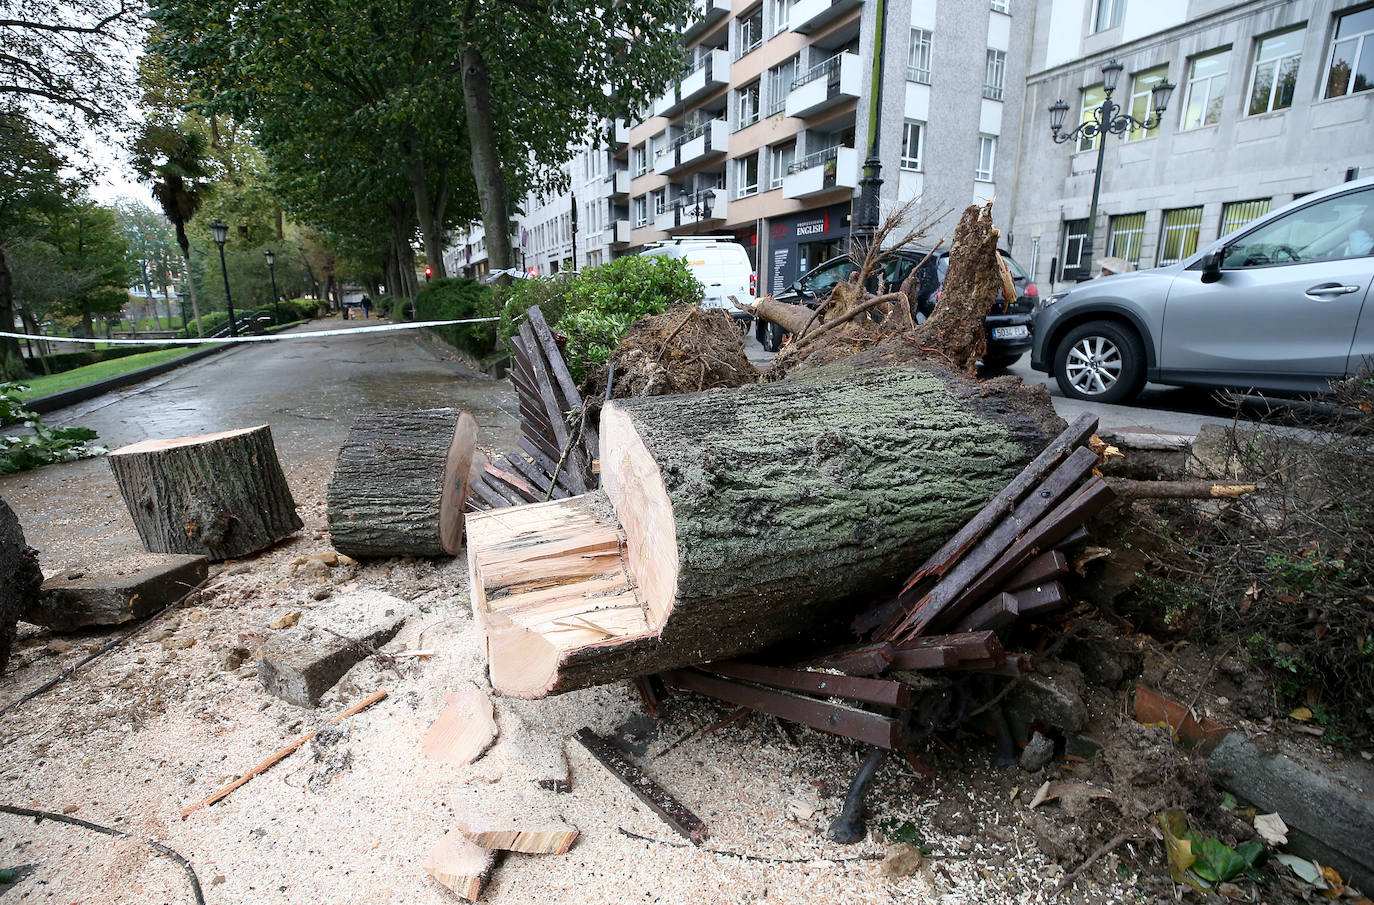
(429, 272)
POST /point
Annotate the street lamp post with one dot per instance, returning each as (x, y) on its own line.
(1106, 120)
(272, 269)
(185, 312)
(865, 225)
(221, 231)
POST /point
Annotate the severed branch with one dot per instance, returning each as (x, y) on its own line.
(1178, 490)
(853, 313)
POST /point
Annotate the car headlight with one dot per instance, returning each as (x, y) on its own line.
(1051, 299)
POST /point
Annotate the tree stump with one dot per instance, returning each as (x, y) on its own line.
(20, 578)
(218, 495)
(741, 517)
(400, 483)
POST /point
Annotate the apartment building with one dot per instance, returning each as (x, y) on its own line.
(1272, 101)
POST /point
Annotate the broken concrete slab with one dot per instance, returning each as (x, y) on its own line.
(1050, 696)
(1329, 809)
(301, 663)
(116, 592)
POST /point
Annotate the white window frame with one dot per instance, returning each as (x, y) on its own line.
(747, 119)
(910, 162)
(745, 45)
(995, 75)
(660, 201)
(1275, 77)
(1129, 228)
(1115, 11)
(1359, 38)
(918, 56)
(1165, 228)
(987, 152)
(1213, 88)
(1143, 93)
(641, 211)
(777, 166)
(743, 190)
(1000, 6)
(639, 160)
(778, 87)
(782, 15)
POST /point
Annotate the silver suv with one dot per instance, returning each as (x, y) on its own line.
(1283, 304)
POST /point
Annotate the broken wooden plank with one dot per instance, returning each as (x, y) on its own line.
(1045, 567)
(860, 660)
(997, 613)
(826, 716)
(552, 407)
(464, 730)
(1075, 435)
(1041, 598)
(544, 333)
(673, 812)
(460, 865)
(924, 658)
(963, 646)
(514, 482)
(546, 464)
(883, 692)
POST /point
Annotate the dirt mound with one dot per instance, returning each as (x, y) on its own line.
(680, 351)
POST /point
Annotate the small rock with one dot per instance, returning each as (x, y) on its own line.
(801, 810)
(71, 809)
(58, 646)
(329, 558)
(195, 615)
(1037, 753)
(219, 879)
(287, 621)
(346, 560)
(300, 560)
(314, 569)
(321, 594)
(902, 860)
(1231, 891)
(234, 657)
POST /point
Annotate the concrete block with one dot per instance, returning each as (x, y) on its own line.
(115, 592)
(1329, 807)
(303, 662)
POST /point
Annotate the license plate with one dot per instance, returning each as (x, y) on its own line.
(1017, 332)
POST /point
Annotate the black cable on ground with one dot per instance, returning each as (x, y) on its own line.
(110, 831)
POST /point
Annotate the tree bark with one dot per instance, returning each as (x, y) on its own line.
(492, 192)
(791, 318)
(218, 495)
(400, 483)
(190, 283)
(20, 578)
(431, 200)
(11, 359)
(746, 516)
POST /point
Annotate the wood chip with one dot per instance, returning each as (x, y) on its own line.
(464, 731)
(460, 865)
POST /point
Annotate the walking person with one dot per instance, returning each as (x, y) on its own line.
(367, 306)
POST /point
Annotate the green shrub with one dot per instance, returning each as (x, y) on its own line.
(44, 444)
(453, 298)
(521, 295)
(604, 301)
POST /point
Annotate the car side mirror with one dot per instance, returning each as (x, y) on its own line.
(1211, 267)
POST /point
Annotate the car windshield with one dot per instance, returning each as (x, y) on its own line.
(824, 278)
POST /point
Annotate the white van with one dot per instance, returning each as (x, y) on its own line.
(722, 268)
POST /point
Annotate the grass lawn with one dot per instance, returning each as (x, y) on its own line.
(56, 383)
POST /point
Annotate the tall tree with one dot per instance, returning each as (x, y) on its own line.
(175, 161)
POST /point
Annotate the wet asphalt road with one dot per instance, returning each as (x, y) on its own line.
(308, 390)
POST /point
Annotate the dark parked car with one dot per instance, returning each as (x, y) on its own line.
(1008, 330)
(1279, 305)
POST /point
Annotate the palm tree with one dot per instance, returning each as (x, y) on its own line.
(174, 159)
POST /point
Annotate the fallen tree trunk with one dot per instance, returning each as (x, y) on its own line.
(741, 517)
(218, 495)
(400, 483)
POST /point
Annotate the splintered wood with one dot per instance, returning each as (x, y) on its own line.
(548, 582)
(464, 731)
(460, 865)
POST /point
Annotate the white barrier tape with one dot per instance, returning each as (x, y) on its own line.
(197, 340)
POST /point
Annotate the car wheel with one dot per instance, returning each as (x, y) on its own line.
(772, 338)
(1101, 362)
(760, 329)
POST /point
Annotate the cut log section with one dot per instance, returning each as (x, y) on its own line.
(401, 481)
(219, 495)
(460, 865)
(20, 578)
(741, 517)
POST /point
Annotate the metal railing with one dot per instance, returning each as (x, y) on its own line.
(815, 159)
(703, 201)
(818, 71)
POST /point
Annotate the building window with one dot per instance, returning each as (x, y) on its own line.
(1351, 67)
(911, 145)
(994, 74)
(1109, 14)
(641, 211)
(1092, 99)
(1178, 236)
(1236, 214)
(749, 105)
(1124, 235)
(747, 176)
(1000, 6)
(750, 32)
(660, 201)
(1073, 266)
(1206, 90)
(1275, 72)
(987, 152)
(780, 160)
(782, 14)
(1142, 102)
(918, 57)
(639, 160)
(779, 83)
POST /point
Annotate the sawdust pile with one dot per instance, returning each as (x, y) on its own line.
(680, 351)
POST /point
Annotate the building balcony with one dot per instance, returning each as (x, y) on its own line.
(667, 103)
(809, 15)
(620, 232)
(619, 182)
(704, 14)
(708, 140)
(823, 86)
(619, 135)
(712, 75)
(823, 171)
(666, 220)
(709, 206)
